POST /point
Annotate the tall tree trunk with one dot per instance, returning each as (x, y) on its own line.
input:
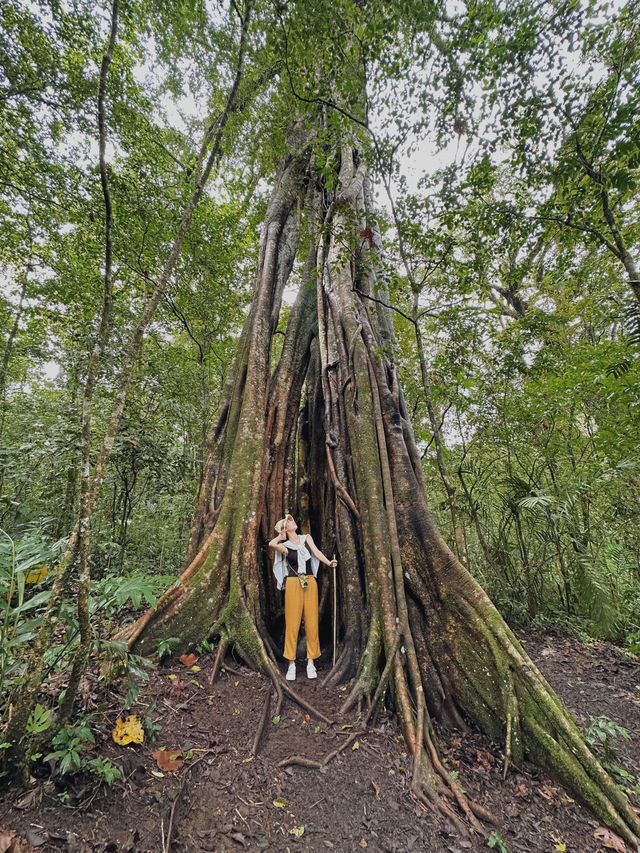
(6, 358)
(428, 627)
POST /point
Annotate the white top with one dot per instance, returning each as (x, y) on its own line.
(281, 564)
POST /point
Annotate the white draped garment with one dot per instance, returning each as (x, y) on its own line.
(281, 564)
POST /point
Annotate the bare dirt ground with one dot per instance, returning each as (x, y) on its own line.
(223, 800)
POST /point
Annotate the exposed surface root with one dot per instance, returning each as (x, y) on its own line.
(344, 667)
(437, 804)
(263, 719)
(384, 679)
(222, 648)
(283, 688)
(167, 841)
(306, 705)
(310, 762)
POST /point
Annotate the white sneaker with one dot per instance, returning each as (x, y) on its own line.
(311, 670)
(291, 672)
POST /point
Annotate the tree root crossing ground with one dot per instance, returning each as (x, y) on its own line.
(223, 800)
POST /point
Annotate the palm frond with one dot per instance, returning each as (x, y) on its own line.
(596, 594)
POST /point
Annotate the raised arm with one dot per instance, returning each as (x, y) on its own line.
(276, 544)
(311, 545)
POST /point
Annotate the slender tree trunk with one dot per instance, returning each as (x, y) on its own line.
(6, 358)
(15, 758)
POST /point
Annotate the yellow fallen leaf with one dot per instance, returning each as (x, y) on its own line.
(236, 710)
(129, 731)
(298, 831)
(280, 803)
(356, 745)
(193, 681)
(346, 727)
(235, 683)
(195, 669)
(173, 676)
(363, 843)
(561, 847)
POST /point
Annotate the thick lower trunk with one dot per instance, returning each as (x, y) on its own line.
(220, 590)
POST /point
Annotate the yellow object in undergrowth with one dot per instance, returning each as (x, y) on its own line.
(129, 731)
(37, 573)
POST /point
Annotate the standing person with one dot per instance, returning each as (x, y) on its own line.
(296, 567)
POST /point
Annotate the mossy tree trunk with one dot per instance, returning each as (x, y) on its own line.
(409, 611)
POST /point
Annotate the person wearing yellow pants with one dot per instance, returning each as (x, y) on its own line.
(295, 566)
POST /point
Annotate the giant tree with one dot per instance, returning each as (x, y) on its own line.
(326, 431)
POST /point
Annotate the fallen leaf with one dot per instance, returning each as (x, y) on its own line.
(29, 800)
(195, 669)
(157, 774)
(346, 727)
(307, 717)
(363, 843)
(276, 720)
(376, 788)
(484, 759)
(280, 803)
(10, 842)
(129, 731)
(169, 760)
(521, 790)
(197, 683)
(235, 683)
(610, 839)
(189, 660)
(172, 676)
(247, 760)
(356, 745)
(298, 831)
(548, 792)
(561, 847)
(37, 839)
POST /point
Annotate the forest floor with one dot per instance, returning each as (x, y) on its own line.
(223, 800)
